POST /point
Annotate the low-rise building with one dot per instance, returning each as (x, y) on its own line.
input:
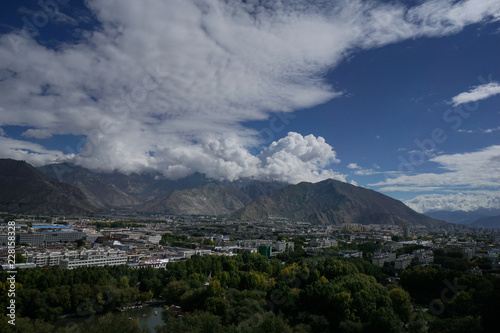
(156, 263)
(185, 253)
(281, 246)
(381, 259)
(323, 242)
(403, 261)
(349, 254)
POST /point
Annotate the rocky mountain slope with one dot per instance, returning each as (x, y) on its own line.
(24, 189)
(205, 200)
(209, 199)
(332, 201)
(106, 190)
(100, 192)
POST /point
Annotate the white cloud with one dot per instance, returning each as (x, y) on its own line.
(454, 202)
(466, 131)
(358, 170)
(37, 133)
(366, 172)
(474, 176)
(353, 166)
(408, 188)
(477, 93)
(485, 131)
(2, 132)
(476, 169)
(491, 130)
(30, 152)
(296, 158)
(167, 85)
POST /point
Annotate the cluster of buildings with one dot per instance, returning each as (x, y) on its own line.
(47, 244)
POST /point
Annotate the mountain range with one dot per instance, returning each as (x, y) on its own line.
(69, 189)
(482, 217)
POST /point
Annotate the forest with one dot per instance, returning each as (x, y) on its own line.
(249, 293)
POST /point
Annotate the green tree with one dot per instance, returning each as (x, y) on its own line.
(401, 304)
(384, 320)
(197, 322)
(19, 258)
(417, 324)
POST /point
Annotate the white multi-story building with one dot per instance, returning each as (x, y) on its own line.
(51, 258)
(75, 258)
(108, 258)
(44, 258)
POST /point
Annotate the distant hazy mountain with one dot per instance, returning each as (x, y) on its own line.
(332, 201)
(462, 217)
(487, 222)
(24, 189)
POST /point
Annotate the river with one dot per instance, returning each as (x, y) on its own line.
(150, 320)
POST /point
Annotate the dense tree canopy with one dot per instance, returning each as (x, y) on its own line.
(248, 293)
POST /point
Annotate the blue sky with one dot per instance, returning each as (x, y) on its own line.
(399, 97)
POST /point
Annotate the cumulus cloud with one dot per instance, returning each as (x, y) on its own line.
(169, 85)
(477, 93)
(353, 166)
(454, 202)
(296, 158)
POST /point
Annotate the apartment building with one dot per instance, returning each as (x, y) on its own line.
(109, 258)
